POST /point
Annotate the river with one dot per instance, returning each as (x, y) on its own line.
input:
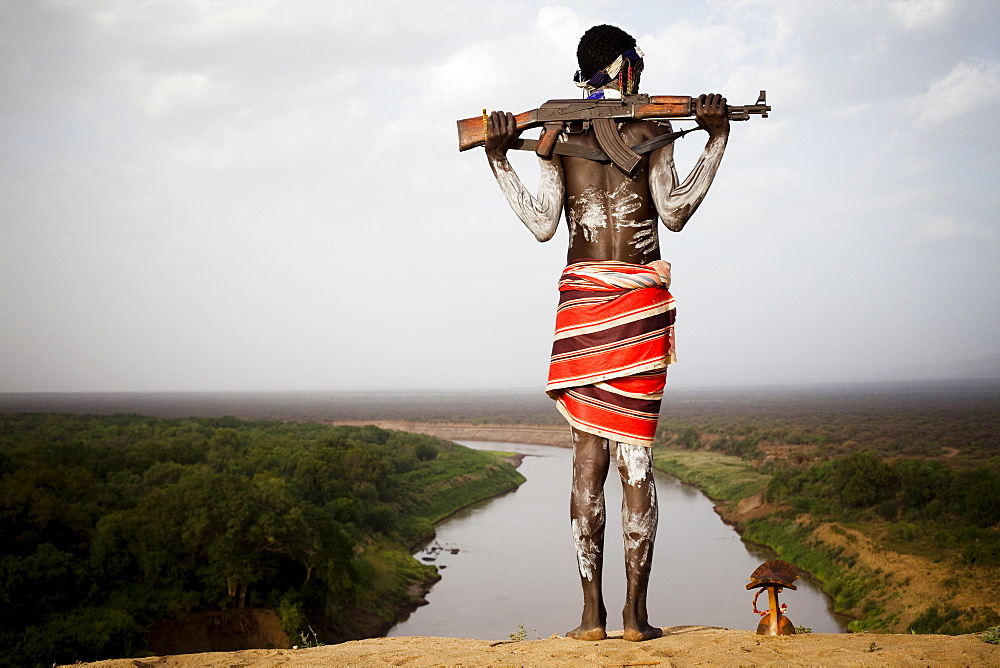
(509, 561)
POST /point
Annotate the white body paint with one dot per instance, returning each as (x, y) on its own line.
(590, 211)
(639, 531)
(539, 213)
(623, 203)
(587, 527)
(586, 549)
(637, 461)
(645, 239)
(591, 218)
(676, 202)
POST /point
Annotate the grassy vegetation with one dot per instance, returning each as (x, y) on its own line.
(461, 477)
(949, 620)
(388, 570)
(721, 477)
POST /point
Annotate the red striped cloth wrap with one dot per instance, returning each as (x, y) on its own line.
(614, 339)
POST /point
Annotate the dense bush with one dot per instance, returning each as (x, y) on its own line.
(862, 479)
(112, 523)
(910, 489)
(950, 620)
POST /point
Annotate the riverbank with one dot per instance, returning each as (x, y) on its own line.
(680, 646)
(883, 590)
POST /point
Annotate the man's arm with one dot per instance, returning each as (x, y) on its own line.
(539, 213)
(677, 203)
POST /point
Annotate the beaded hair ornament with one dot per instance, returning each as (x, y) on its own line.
(625, 68)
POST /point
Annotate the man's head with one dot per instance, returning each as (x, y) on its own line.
(599, 47)
(603, 47)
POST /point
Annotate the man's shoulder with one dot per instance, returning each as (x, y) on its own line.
(643, 130)
(634, 131)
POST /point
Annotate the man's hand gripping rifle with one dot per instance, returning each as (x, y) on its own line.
(556, 115)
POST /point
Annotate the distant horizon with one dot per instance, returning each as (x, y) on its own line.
(930, 385)
(992, 378)
(981, 368)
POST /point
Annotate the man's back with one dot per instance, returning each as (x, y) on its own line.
(611, 215)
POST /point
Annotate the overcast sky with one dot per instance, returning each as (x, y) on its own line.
(265, 195)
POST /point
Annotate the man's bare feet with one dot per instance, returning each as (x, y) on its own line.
(646, 632)
(591, 633)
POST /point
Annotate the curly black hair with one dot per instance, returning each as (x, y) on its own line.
(600, 46)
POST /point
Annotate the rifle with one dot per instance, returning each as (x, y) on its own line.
(601, 114)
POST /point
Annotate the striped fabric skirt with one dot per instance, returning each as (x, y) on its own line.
(613, 342)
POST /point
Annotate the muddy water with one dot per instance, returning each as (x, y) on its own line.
(509, 561)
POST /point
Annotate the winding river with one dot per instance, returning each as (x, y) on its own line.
(509, 561)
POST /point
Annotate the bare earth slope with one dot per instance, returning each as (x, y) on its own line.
(680, 646)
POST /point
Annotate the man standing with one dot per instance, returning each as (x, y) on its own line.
(614, 326)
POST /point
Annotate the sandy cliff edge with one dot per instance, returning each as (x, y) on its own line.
(680, 646)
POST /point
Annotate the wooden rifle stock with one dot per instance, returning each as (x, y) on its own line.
(472, 131)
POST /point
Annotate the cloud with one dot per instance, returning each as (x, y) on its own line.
(971, 85)
(921, 14)
(948, 229)
(560, 24)
(175, 92)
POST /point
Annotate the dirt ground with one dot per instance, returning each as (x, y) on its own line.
(680, 646)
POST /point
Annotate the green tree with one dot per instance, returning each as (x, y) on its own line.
(862, 480)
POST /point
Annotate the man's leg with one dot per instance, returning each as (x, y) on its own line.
(591, 461)
(639, 516)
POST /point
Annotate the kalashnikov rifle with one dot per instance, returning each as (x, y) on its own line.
(555, 115)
